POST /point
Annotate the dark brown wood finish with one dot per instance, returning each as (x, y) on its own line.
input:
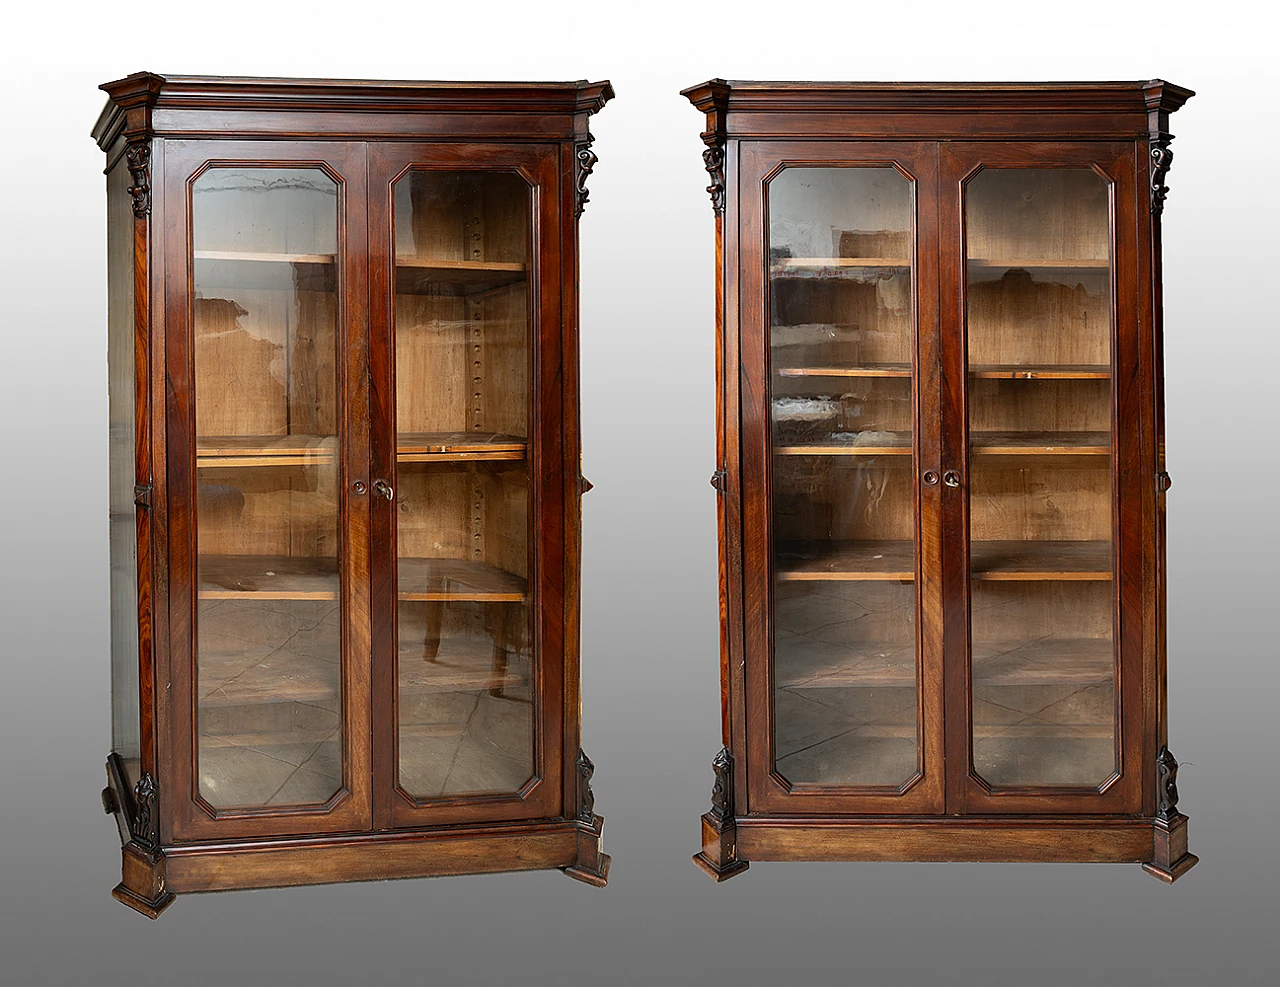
(165, 130)
(1118, 129)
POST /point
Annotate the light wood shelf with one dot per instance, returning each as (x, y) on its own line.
(803, 263)
(980, 371)
(270, 577)
(981, 444)
(1043, 263)
(895, 560)
(1061, 372)
(849, 370)
(232, 451)
(432, 276)
(264, 257)
(1049, 661)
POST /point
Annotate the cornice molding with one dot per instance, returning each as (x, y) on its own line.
(149, 92)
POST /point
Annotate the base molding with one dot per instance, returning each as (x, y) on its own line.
(1061, 839)
(229, 866)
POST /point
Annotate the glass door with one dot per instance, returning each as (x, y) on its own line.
(1049, 690)
(844, 697)
(271, 705)
(466, 274)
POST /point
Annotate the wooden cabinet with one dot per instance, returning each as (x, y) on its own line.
(941, 473)
(344, 480)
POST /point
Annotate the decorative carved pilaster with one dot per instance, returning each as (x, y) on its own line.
(1161, 160)
(144, 825)
(584, 163)
(586, 799)
(713, 159)
(138, 161)
(1167, 786)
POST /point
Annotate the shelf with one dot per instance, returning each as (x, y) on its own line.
(852, 269)
(228, 451)
(437, 447)
(982, 444)
(263, 257)
(980, 371)
(1035, 560)
(849, 370)
(264, 450)
(1049, 661)
(285, 677)
(799, 561)
(1062, 372)
(1043, 263)
(810, 263)
(1040, 443)
(858, 444)
(895, 560)
(270, 577)
(430, 276)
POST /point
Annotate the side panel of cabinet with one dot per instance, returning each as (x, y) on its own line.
(469, 487)
(267, 691)
(1045, 384)
(837, 260)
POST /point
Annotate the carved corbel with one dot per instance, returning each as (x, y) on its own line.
(138, 161)
(584, 163)
(586, 798)
(713, 159)
(1161, 160)
(144, 826)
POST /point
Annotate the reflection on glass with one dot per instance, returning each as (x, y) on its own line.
(844, 617)
(1039, 337)
(465, 669)
(269, 657)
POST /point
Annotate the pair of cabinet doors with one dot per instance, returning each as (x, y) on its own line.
(369, 437)
(935, 346)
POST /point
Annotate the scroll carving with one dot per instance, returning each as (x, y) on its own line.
(1161, 160)
(586, 799)
(584, 163)
(1167, 786)
(722, 790)
(713, 159)
(138, 161)
(144, 825)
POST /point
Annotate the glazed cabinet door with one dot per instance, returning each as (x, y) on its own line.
(1043, 478)
(468, 492)
(839, 486)
(265, 316)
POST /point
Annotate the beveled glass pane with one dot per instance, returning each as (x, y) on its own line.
(846, 708)
(1039, 349)
(269, 627)
(465, 665)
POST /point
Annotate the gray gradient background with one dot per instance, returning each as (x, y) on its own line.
(649, 602)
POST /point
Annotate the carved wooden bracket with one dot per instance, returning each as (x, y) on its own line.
(713, 159)
(1167, 786)
(722, 790)
(585, 162)
(138, 161)
(144, 826)
(586, 799)
(1161, 160)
